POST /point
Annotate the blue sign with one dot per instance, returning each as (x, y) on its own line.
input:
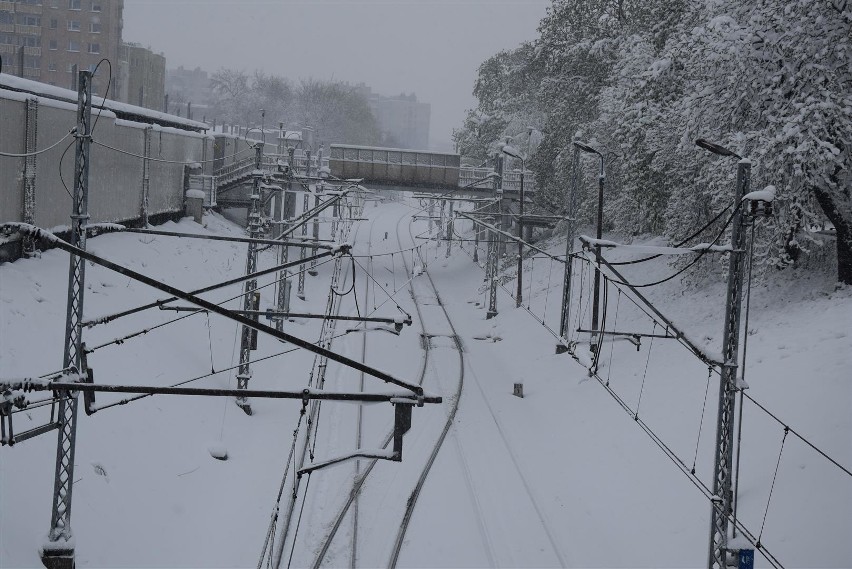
(746, 559)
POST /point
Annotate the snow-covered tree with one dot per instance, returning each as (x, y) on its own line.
(770, 79)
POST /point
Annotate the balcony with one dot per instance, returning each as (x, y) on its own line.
(28, 30)
(32, 50)
(27, 8)
(34, 73)
(7, 28)
(6, 6)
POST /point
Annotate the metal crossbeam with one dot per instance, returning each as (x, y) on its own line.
(215, 308)
(304, 394)
(258, 241)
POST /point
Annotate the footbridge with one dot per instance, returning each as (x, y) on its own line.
(421, 171)
(380, 169)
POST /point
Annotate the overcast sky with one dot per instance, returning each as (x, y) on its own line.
(430, 47)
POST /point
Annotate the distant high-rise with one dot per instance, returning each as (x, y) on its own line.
(45, 40)
(403, 120)
(146, 77)
(188, 86)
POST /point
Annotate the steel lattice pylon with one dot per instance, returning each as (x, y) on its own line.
(244, 374)
(564, 317)
(59, 551)
(303, 251)
(722, 506)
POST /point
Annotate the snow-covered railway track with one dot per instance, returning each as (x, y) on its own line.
(429, 330)
(452, 401)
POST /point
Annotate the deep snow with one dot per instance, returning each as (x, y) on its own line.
(560, 477)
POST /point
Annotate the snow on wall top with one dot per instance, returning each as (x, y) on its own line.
(42, 89)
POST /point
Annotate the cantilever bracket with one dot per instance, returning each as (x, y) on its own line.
(401, 425)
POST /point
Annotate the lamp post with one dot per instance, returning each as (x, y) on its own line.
(725, 474)
(511, 151)
(596, 298)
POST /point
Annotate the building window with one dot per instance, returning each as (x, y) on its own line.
(73, 26)
(51, 67)
(54, 24)
(95, 25)
(27, 20)
(73, 45)
(71, 67)
(52, 45)
(94, 48)
(96, 6)
(74, 4)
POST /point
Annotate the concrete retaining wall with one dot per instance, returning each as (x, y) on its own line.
(115, 179)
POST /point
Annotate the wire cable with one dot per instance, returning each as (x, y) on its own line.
(43, 150)
(680, 244)
(690, 264)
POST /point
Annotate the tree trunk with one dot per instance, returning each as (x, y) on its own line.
(837, 206)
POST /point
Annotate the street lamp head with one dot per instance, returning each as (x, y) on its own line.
(715, 148)
(586, 148)
(510, 150)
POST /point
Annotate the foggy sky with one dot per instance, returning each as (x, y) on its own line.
(430, 47)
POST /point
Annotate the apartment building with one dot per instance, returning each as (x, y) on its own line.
(47, 40)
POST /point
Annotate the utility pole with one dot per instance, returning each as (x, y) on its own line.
(306, 205)
(248, 335)
(58, 552)
(320, 188)
(596, 333)
(519, 293)
(287, 198)
(493, 241)
(564, 318)
(722, 501)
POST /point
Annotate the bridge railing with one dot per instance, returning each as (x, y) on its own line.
(269, 164)
(511, 180)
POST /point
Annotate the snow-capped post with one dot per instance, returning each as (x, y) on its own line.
(595, 342)
(146, 172)
(58, 552)
(476, 243)
(723, 472)
(254, 229)
(450, 231)
(564, 317)
(30, 138)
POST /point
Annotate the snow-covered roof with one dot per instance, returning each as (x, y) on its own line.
(122, 110)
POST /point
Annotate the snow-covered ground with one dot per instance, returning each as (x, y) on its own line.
(561, 477)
